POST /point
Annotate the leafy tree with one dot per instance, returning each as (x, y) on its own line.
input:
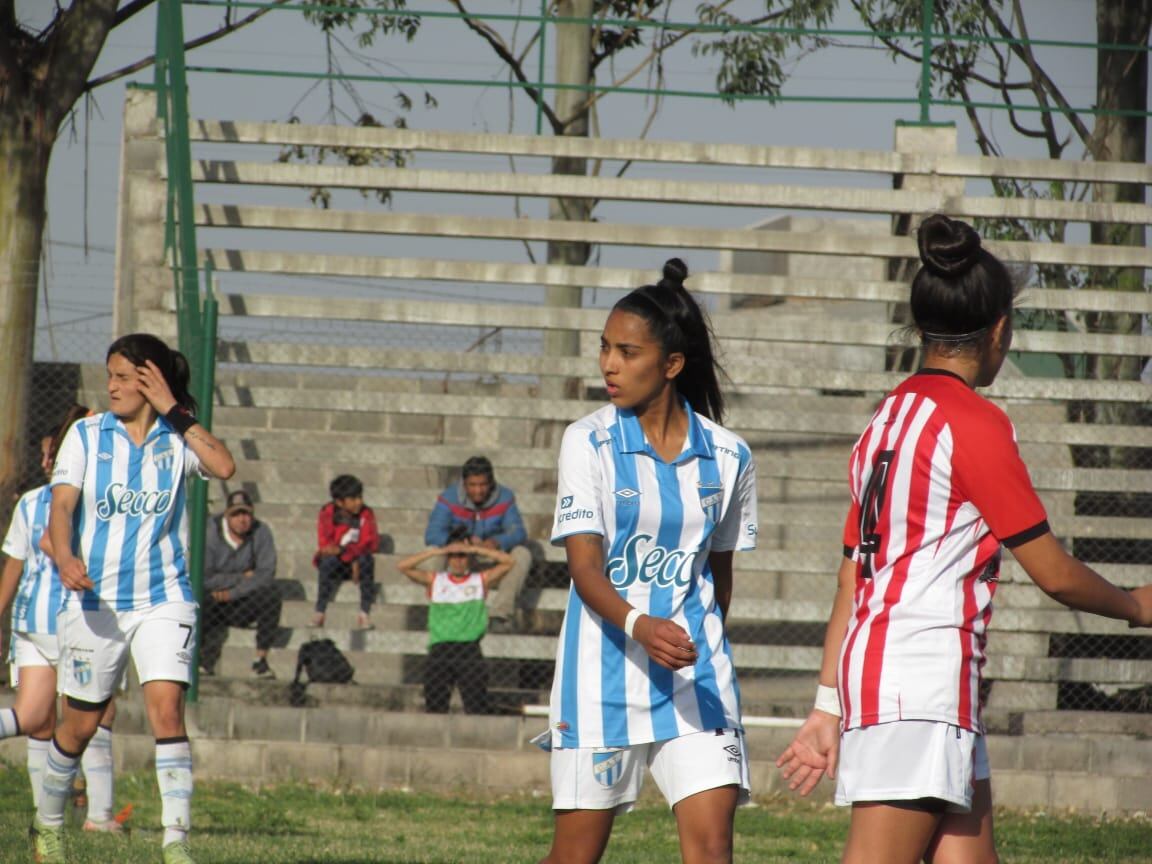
(43, 73)
(968, 61)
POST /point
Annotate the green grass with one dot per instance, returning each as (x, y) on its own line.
(297, 824)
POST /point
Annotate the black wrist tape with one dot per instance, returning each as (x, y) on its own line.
(180, 419)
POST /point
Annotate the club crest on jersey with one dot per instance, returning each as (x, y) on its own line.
(643, 560)
(119, 500)
(608, 767)
(163, 458)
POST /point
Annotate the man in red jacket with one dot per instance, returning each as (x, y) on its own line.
(347, 538)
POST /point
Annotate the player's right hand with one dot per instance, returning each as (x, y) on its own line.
(74, 575)
(665, 641)
(1143, 598)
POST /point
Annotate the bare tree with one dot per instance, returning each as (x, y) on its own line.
(43, 73)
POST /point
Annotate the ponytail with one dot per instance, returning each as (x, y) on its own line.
(677, 322)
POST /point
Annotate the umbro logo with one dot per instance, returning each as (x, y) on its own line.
(104, 457)
(734, 749)
(626, 493)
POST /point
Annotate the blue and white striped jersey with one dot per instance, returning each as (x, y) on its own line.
(658, 522)
(39, 594)
(131, 523)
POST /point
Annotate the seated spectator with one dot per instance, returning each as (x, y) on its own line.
(457, 620)
(239, 583)
(491, 520)
(347, 538)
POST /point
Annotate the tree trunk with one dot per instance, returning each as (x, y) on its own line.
(24, 155)
(1122, 85)
(573, 67)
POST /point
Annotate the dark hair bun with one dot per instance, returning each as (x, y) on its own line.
(675, 272)
(948, 247)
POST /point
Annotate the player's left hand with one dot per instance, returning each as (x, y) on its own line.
(813, 753)
(152, 386)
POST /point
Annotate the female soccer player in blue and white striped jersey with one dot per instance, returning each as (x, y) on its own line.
(30, 579)
(654, 496)
(119, 531)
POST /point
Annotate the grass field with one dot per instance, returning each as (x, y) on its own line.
(297, 824)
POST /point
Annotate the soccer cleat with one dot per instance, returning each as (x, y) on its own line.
(178, 853)
(111, 826)
(47, 844)
(261, 669)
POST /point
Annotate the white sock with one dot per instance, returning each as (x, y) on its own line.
(9, 725)
(56, 786)
(174, 776)
(37, 756)
(97, 765)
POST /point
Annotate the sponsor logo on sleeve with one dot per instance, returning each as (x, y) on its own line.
(565, 502)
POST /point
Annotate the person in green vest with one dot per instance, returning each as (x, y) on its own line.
(457, 620)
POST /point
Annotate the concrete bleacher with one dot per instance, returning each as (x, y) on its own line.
(306, 389)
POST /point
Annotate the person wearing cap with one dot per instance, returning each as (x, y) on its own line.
(239, 583)
(489, 517)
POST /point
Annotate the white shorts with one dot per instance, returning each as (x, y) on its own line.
(95, 644)
(33, 649)
(911, 759)
(607, 778)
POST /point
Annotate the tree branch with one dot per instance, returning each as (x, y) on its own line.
(131, 9)
(1043, 82)
(76, 38)
(199, 41)
(497, 44)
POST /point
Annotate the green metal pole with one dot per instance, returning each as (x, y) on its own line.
(926, 15)
(540, 68)
(179, 166)
(198, 493)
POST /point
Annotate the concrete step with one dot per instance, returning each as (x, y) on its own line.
(462, 753)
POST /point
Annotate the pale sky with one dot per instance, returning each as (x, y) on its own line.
(84, 171)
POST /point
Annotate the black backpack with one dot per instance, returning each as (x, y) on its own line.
(325, 664)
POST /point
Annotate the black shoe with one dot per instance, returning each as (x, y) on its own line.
(261, 669)
(500, 624)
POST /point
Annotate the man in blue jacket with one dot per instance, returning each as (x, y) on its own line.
(489, 513)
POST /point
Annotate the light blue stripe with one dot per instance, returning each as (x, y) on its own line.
(161, 525)
(126, 575)
(708, 701)
(613, 688)
(569, 712)
(178, 518)
(105, 443)
(668, 537)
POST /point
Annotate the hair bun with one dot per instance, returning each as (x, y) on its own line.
(948, 247)
(674, 273)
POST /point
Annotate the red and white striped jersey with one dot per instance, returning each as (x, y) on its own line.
(937, 486)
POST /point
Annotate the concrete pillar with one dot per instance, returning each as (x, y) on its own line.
(143, 277)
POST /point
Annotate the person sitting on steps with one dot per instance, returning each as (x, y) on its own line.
(490, 518)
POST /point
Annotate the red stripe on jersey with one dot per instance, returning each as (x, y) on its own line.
(915, 519)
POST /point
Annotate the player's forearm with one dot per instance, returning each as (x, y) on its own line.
(838, 622)
(213, 455)
(9, 582)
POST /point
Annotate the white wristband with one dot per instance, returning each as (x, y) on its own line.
(630, 622)
(827, 700)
